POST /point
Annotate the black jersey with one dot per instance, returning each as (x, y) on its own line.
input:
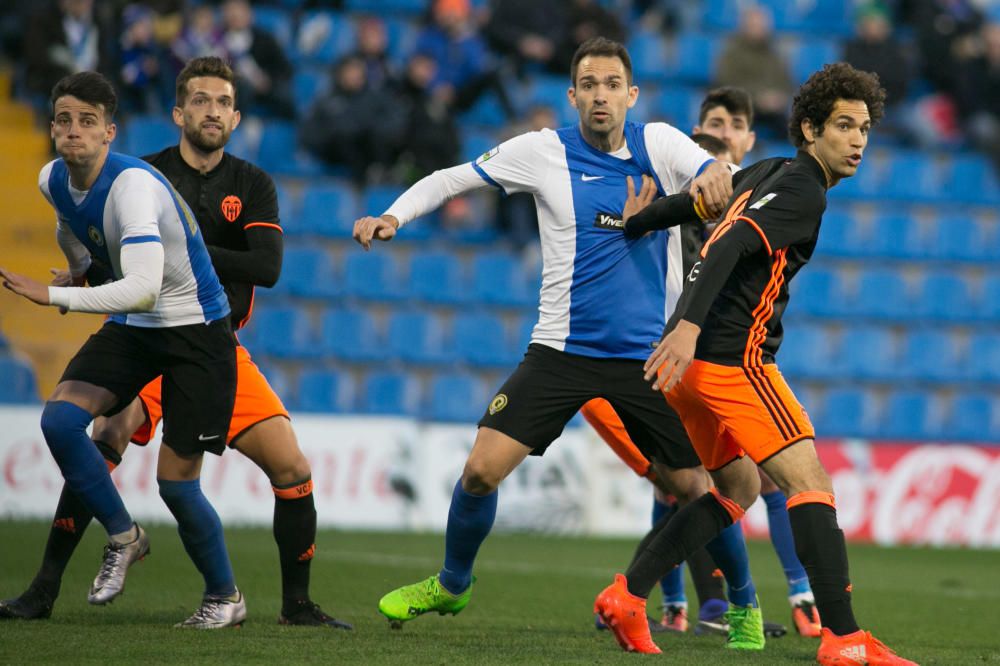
(772, 225)
(236, 206)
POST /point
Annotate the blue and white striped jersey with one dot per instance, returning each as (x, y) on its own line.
(131, 202)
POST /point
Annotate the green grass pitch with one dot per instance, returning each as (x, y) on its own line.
(532, 604)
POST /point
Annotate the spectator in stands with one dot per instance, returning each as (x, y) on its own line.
(529, 32)
(63, 40)
(946, 32)
(139, 58)
(200, 37)
(431, 141)
(750, 60)
(465, 68)
(354, 125)
(875, 49)
(373, 49)
(586, 19)
(979, 94)
(264, 74)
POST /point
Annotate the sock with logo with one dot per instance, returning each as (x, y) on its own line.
(64, 426)
(201, 533)
(470, 520)
(819, 543)
(295, 534)
(784, 543)
(68, 525)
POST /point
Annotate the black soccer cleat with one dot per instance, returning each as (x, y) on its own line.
(34, 604)
(306, 613)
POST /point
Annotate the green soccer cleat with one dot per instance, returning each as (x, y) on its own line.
(409, 601)
(746, 628)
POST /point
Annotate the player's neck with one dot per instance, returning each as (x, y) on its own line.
(199, 159)
(605, 142)
(83, 176)
(827, 173)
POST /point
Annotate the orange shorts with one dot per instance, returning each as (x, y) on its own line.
(604, 419)
(256, 401)
(728, 411)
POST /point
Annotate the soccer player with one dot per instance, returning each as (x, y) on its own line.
(715, 364)
(596, 315)
(724, 124)
(168, 316)
(237, 211)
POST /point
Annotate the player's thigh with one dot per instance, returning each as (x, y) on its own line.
(117, 430)
(797, 469)
(493, 457)
(540, 397)
(199, 387)
(172, 465)
(713, 445)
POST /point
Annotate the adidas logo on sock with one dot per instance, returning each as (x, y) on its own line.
(855, 653)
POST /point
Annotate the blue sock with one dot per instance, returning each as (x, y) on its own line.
(784, 544)
(470, 520)
(64, 426)
(201, 533)
(671, 585)
(729, 550)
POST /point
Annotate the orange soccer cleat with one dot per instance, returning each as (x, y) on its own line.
(625, 614)
(857, 648)
(675, 618)
(806, 619)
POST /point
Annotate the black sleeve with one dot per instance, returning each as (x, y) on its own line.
(663, 213)
(708, 277)
(259, 264)
(262, 204)
(787, 213)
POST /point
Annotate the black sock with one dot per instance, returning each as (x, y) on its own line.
(819, 543)
(295, 534)
(651, 534)
(689, 529)
(68, 525)
(706, 583)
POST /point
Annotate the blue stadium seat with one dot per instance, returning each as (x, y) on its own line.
(960, 238)
(145, 135)
(522, 331)
(678, 106)
(826, 17)
(982, 357)
(476, 142)
(944, 296)
(323, 37)
(807, 351)
(485, 111)
(989, 299)
(377, 199)
(387, 7)
(550, 91)
(837, 234)
(277, 22)
(649, 58)
(868, 352)
(436, 277)
(308, 272)
(325, 391)
(456, 397)
(846, 412)
(972, 180)
(895, 235)
(815, 292)
(329, 210)
(390, 393)
(373, 275)
(282, 331)
(911, 415)
(912, 177)
(697, 55)
(497, 278)
(931, 355)
(481, 339)
(971, 419)
(417, 337)
(307, 84)
(280, 152)
(721, 15)
(810, 55)
(18, 385)
(881, 294)
(350, 334)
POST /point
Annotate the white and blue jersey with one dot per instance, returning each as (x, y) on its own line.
(132, 202)
(602, 295)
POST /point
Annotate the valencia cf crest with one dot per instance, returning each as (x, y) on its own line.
(231, 207)
(95, 236)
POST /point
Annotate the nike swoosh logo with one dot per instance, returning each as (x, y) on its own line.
(585, 177)
(202, 438)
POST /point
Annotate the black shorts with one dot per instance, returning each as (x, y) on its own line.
(198, 364)
(549, 387)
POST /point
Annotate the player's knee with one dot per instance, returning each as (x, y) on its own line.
(744, 494)
(290, 471)
(60, 417)
(479, 479)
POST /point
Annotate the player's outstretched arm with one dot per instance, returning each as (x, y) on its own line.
(370, 228)
(22, 285)
(714, 185)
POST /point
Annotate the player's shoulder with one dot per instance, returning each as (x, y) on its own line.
(246, 169)
(160, 159)
(45, 173)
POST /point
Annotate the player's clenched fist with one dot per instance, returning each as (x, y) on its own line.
(378, 228)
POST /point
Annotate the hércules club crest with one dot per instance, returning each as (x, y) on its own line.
(231, 207)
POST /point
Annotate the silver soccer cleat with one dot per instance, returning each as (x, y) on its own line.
(110, 580)
(217, 612)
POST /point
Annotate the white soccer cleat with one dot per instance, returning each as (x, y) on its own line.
(110, 580)
(217, 612)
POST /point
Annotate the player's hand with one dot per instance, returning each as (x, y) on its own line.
(63, 278)
(672, 356)
(714, 186)
(633, 203)
(33, 290)
(378, 228)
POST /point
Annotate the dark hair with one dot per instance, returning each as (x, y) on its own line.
(713, 145)
(89, 87)
(815, 99)
(601, 46)
(734, 100)
(213, 66)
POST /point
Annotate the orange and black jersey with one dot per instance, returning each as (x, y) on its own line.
(739, 290)
(236, 206)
